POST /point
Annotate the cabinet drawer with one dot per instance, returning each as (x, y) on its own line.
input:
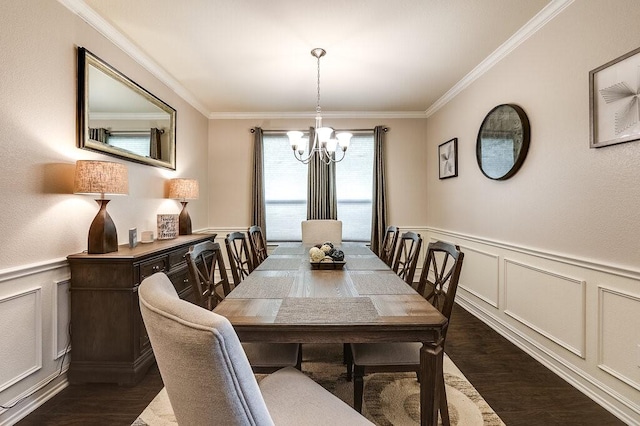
(180, 280)
(176, 257)
(150, 267)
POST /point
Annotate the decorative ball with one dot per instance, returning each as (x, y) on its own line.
(326, 248)
(328, 243)
(337, 255)
(316, 255)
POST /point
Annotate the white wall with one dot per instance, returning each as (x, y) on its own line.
(552, 253)
(41, 221)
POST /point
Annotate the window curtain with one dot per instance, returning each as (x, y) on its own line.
(257, 195)
(155, 145)
(99, 134)
(379, 207)
(322, 199)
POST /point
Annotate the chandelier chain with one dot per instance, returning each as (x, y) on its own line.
(318, 105)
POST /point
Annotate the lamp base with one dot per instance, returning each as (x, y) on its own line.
(103, 237)
(184, 220)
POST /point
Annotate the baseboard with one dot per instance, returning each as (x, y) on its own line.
(31, 405)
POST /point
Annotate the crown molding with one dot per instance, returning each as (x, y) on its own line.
(96, 21)
(310, 114)
(550, 11)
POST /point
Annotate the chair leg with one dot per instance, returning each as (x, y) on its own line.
(348, 360)
(299, 361)
(358, 388)
(444, 406)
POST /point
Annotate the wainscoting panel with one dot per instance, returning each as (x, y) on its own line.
(20, 336)
(619, 335)
(578, 317)
(34, 319)
(551, 304)
(62, 317)
(480, 275)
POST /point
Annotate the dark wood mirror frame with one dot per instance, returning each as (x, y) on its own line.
(507, 123)
(127, 111)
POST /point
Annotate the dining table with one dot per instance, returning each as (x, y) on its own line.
(289, 299)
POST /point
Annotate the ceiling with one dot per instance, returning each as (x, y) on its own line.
(252, 57)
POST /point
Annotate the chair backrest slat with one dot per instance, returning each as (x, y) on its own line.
(389, 244)
(440, 274)
(204, 262)
(240, 259)
(258, 245)
(406, 258)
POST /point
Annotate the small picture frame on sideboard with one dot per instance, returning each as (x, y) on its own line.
(167, 226)
(133, 237)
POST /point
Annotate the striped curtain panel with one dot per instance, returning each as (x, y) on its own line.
(258, 216)
(322, 200)
(379, 207)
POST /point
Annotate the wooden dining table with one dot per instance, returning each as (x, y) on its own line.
(286, 300)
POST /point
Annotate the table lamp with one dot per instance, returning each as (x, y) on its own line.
(101, 177)
(183, 190)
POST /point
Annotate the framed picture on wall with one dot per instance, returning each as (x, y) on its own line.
(448, 159)
(613, 101)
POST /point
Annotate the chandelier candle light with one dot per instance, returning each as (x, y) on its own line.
(183, 190)
(101, 177)
(325, 140)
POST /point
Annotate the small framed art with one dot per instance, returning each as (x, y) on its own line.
(167, 226)
(448, 159)
(613, 101)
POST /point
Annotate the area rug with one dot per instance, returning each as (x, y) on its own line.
(389, 398)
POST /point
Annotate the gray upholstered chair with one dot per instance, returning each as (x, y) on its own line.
(208, 377)
(319, 231)
(438, 284)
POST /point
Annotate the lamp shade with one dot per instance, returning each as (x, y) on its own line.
(100, 177)
(185, 189)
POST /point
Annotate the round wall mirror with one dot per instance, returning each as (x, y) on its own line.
(503, 141)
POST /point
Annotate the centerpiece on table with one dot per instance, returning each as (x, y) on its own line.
(326, 256)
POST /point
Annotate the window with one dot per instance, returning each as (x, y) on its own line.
(285, 182)
(138, 144)
(285, 189)
(354, 188)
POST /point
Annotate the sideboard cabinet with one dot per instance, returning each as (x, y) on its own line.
(108, 339)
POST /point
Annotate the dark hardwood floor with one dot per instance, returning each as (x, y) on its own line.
(518, 388)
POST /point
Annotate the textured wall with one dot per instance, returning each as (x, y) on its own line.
(566, 198)
(41, 219)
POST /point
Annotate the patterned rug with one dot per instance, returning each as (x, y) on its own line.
(389, 398)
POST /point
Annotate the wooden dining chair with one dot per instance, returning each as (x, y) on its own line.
(438, 284)
(207, 274)
(407, 255)
(240, 259)
(208, 378)
(258, 245)
(205, 264)
(389, 244)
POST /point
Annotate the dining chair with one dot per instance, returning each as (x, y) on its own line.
(208, 378)
(258, 245)
(389, 244)
(438, 284)
(407, 255)
(321, 230)
(240, 259)
(205, 264)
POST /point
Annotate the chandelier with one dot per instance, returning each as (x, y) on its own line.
(325, 140)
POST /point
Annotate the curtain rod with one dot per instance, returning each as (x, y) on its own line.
(385, 129)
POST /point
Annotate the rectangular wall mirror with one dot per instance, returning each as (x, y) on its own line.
(118, 117)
